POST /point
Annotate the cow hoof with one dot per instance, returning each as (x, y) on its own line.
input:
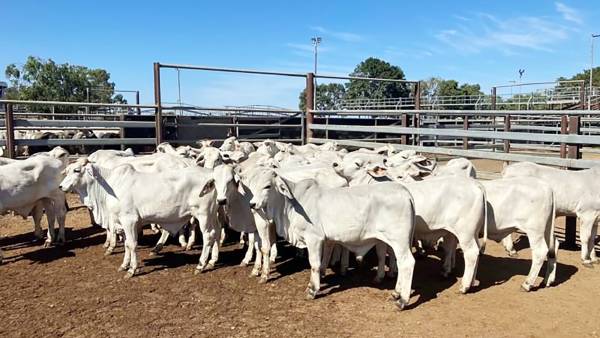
(255, 273)
(445, 274)
(198, 271)
(525, 287)
(394, 296)
(105, 245)
(512, 254)
(244, 263)
(463, 290)
(588, 265)
(128, 275)
(596, 261)
(187, 248)
(47, 244)
(263, 280)
(400, 304)
(310, 294)
(122, 268)
(108, 252)
(548, 283)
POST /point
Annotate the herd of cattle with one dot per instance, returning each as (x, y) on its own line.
(327, 200)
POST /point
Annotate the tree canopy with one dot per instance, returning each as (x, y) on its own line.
(45, 80)
(329, 96)
(585, 76)
(376, 68)
(440, 87)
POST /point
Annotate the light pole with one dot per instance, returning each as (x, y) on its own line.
(591, 69)
(316, 41)
(521, 72)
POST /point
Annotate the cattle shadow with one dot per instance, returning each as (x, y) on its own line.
(76, 239)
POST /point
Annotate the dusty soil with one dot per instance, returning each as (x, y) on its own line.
(74, 291)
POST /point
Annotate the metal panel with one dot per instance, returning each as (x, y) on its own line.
(229, 70)
(582, 164)
(393, 112)
(574, 139)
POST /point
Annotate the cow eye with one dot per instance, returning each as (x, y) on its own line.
(268, 187)
(77, 170)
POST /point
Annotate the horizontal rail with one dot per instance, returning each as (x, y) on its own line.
(21, 124)
(241, 125)
(239, 139)
(560, 138)
(563, 162)
(229, 70)
(233, 109)
(79, 104)
(363, 78)
(77, 142)
(392, 112)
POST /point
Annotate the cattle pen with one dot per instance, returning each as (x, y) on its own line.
(71, 290)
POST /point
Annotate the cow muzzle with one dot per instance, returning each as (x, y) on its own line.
(222, 201)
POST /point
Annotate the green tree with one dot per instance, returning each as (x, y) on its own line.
(45, 80)
(585, 76)
(329, 96)
(376, 68)
(440, 87)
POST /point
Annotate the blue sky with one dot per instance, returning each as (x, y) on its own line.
(471, 41)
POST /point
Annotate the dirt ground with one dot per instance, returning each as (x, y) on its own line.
(74, 291)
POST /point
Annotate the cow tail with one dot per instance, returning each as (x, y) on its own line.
(552, 240)
(485, 220)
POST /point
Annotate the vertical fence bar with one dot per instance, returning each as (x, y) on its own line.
(466, 127)
(564, 129)
(507, 129)
(10, 131)
(302, 128)
(417, 118)
(157, 102)
(574, 153)
(582, 96)
(137, 101)
(310, 90)
(404, 123)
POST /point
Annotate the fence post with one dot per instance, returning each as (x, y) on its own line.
(404, 123)
(310, 100)
(137, 101)
(10, 131)
(582, 96)
(466, 127)
(507, 129)
(157, 102)
(564, 129)
(574, 153)
(417, 117)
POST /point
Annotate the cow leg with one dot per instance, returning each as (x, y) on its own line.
(592, 244)
(60, 209)
(50, 217)
(243, 238)
(265, 248)
(327, 252)
(222, 236)
(192, 237)
(393, 271)
(208, 241)
(130, 244)
(449, 247)
(273, 252)
(381, 249)
(471, 255)
(315, 253)
(539, 250)
(112, 235)
(37, 213)
(249, 250)
(552, 265)
(585, 237)
(507, 243)
(405, 265)
(107, 241)
(214, 257)
(1, 256)
(164, 235)
(155, 229)
(258, 261)
(181, 238)
(344, 261)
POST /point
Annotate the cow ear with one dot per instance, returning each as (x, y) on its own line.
(208, 187)
(282, 186)
(377, 171)
(358, 163)
(236, 178)
(91, 170)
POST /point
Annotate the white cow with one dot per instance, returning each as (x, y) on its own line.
(128, 199)
(309, 215)
(462, 217)
(24, 184)
(577, 193)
